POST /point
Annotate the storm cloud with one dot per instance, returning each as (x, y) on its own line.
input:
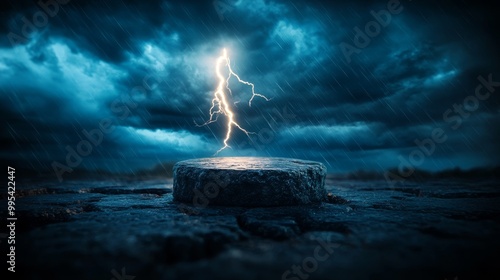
(142, 74)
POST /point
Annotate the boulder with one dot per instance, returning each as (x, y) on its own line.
(249, 181)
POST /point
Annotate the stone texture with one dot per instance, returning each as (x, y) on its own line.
(249, 181)
(85, 230)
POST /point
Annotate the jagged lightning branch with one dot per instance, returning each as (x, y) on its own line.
(220, 101)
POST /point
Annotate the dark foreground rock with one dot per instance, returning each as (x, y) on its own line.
(365, 230)
(249, 181)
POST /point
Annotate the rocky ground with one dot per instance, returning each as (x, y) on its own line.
(366, 230)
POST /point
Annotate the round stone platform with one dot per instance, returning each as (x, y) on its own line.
(249, 181)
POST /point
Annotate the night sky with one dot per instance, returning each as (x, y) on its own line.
(142, 74)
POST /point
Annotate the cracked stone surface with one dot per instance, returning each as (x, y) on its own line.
(363, 230)
(249, 181)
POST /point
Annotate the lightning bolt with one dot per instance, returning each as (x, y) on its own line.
(220, 104)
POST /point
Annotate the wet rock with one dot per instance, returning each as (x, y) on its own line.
(192, 247)
(325, 222)
(111, 190)
(249, 181)
(281, 229)
(335, 199)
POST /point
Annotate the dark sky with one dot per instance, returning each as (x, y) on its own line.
(147, 70)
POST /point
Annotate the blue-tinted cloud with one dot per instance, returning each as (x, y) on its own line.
(148, 69)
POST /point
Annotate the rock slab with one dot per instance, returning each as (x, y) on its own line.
(249, 181)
